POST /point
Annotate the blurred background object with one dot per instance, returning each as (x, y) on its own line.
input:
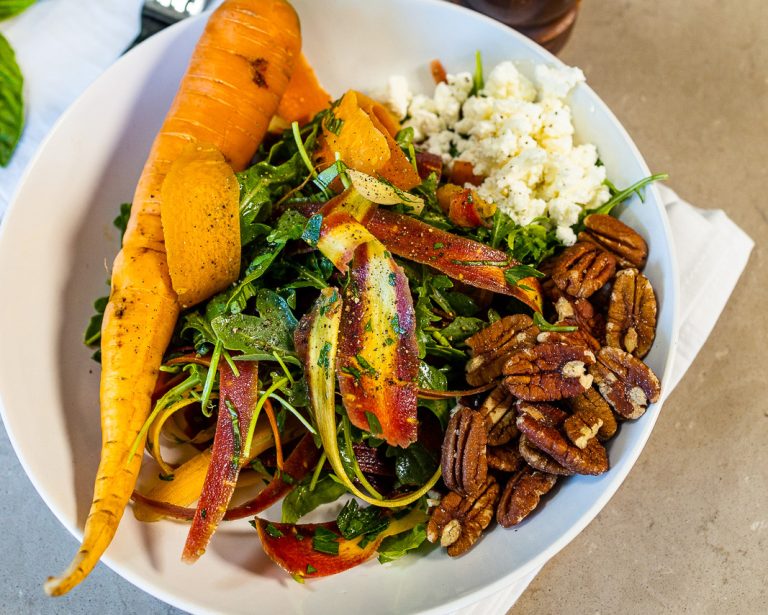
(548, 22)
(157, 14)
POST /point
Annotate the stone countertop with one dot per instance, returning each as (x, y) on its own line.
(688, 530)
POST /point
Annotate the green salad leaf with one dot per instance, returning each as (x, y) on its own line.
(11, 96)
(93, 331)
(395, 547)
(432, 378)
(305, 497)
(270, 331)
(9, 8)
(413, 465)
(367, 522)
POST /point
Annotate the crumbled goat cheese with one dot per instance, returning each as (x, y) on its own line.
(516, 132)
(397, 96)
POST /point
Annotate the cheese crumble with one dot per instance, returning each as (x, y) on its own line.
(517, 133)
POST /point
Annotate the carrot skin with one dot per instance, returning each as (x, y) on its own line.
(237, 74)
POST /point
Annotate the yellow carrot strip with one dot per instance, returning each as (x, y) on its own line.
(189, 477)
(320, 367)
(156, 429)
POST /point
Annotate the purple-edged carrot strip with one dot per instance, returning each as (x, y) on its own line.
(378, 355)
(238, 396)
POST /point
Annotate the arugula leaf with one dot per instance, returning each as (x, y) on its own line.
(302, 500)
(462, 304)
(314, 273)
(424, 317)
(93, 331)
(534, 242)
(395, 547)
(354, 521)
(12, 96)
(121, 222)
(404, 138)
(271, 331)
(9, 8)
(413, 465)
(623, 195)
(260, 186)
(289, 226)
(299, 393)
(373, 423)
(330, 122)
(430, 377)
(515, 274)
(502, 226)
(461, 328)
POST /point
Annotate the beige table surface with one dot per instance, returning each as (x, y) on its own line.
(688, 530)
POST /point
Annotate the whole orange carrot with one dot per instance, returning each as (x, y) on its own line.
(237, 74)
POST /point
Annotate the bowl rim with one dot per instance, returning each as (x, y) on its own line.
(148, 584)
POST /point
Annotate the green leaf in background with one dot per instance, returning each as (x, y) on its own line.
(9, 8)
(11, 100)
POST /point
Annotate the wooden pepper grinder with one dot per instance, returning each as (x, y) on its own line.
(548, 22)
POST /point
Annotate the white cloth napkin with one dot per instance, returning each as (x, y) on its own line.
(711, 250)
(711, 254)
(61, 47)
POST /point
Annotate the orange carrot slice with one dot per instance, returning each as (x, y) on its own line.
(200, 212)
(305, 97)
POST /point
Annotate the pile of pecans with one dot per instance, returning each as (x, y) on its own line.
(562, 389)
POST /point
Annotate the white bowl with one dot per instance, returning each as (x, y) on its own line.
(58, 237)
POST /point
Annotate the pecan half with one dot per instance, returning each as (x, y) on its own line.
(591, 401)
(495, 405)
(582, 312)
(548, 372)
(583, 269)
(499, 416)
(582, 427)
(522, 495)
(613, 235)
(491, 346)
(631, 322)
(504, 458)
(505, 430)
(625, 382)
(540, 461)
(549, 289)
(457, 521)
(544, 413)
(464, 459)
(590, 460)
(579, 337)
